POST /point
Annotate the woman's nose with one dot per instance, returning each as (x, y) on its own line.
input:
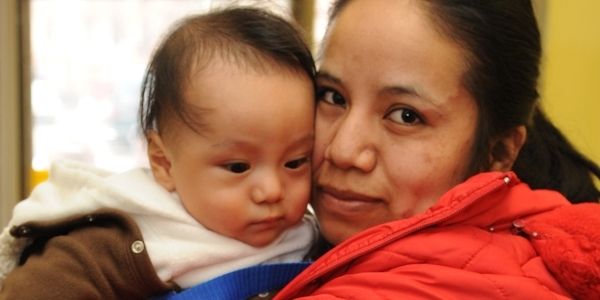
(268, 189)
(351, 144)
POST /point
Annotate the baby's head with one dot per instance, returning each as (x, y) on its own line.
(227, 109)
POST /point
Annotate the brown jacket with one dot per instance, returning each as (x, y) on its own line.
(93, 256)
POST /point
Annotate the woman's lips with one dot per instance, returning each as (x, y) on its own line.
(345, 202)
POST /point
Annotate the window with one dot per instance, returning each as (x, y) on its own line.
(88, 60)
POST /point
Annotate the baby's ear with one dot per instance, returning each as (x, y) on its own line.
(504, 150)
(160, 160)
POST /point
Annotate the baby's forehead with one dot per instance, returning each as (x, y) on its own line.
(250, 61)
(220, 76)
(222, 89)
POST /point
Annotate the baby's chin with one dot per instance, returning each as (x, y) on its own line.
(259, 240)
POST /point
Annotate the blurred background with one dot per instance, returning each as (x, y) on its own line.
(71, 70)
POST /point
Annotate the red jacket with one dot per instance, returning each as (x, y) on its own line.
(489, 238)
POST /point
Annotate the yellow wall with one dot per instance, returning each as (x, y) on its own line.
(570, 85)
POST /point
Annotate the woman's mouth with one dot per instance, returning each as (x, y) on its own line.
(345, 201)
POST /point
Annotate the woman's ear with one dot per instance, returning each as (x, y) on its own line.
(160, 160)
(504, 151)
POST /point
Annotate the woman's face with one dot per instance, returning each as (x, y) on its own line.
(394, 124)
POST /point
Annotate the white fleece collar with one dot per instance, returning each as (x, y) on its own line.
(54, 199)
(76, 188)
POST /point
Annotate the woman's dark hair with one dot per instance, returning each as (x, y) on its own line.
(244, 36)
(503, 48)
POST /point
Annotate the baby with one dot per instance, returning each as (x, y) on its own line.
(227, 110)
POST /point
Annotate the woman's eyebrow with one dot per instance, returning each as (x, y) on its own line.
(409, 90)
(324, 75)
(398, 89)
(401, 90)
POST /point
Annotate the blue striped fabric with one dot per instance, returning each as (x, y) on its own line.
(241, 284)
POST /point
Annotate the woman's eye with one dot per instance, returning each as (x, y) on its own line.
(238, 167)
(296, 163)
(405, 116)
(330, 96)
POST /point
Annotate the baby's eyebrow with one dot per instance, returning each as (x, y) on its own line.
(231, 144)
(304, 140)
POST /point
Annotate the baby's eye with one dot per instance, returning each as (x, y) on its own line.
(237, 167)
(330, 96)
(405, 116)
(296, 163)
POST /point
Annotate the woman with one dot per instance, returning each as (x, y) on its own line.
(424, 109)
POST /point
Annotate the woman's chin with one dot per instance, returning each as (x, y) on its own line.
(335, 229)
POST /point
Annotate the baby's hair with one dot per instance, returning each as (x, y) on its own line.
(244, 36)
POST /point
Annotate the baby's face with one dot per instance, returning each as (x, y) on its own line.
(247, 174)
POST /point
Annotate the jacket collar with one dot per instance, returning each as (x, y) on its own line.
(486, 199)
